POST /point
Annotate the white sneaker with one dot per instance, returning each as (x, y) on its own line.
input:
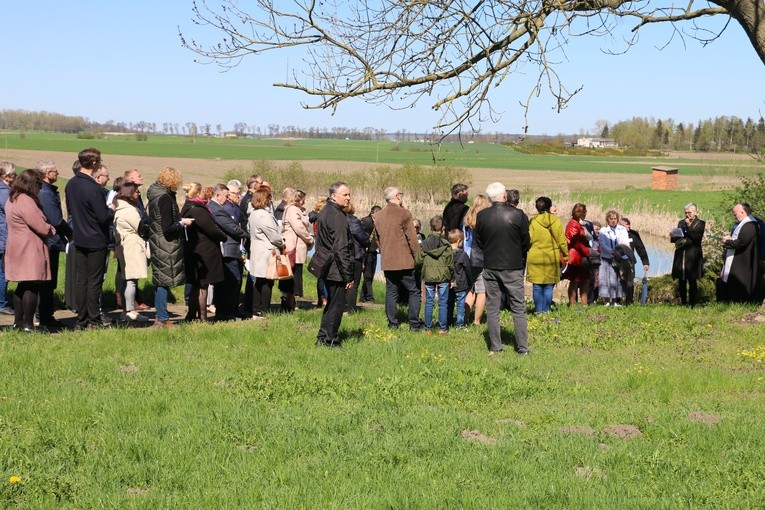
(607, 303)
(135, 316)
(617, 304)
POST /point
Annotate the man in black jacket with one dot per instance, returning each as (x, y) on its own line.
(51, 206)
(502, 233)
(370, 256)
(636, 243)
(455, 210)
(91, 218)
(226, 296)
(334, 236)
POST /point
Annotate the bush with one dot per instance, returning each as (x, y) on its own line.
(141, 137)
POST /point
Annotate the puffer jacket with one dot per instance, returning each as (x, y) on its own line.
(165, 237)
(436, 259)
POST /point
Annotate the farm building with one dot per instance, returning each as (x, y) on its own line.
(599, 143)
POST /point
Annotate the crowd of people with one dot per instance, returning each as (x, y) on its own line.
(476, 257)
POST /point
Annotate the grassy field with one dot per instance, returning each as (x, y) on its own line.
(483, 155)
(644, 407)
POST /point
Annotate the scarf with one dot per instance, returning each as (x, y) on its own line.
(730, 252)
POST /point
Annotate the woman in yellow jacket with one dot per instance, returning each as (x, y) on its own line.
(548, 252)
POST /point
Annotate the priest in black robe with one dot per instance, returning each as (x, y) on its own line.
(738, 278)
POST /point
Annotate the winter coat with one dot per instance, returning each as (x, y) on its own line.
(548, 245)
(360, 237)
(396, 238)
(129, 245)
(436, 259)
(166, 236)
(51, 206)
(688, 262)
(26, 254)
(297, 234)
(203, 259)
(264, 237)
(335, 236)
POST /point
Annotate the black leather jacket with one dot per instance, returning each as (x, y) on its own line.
(502, 233)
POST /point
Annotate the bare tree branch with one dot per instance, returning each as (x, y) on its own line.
(450, 52)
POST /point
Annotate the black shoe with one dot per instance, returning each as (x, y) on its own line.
(328, 343)
(52, 324)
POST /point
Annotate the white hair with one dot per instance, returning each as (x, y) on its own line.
(495, 191)
(690, 206)
(390, 193)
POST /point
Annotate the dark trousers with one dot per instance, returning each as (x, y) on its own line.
(350, 296)
(370, 265)
(226, 295)
(91, 266)
(332, 314)
(47, 287)
(511, 282)
(261, 295)
(689, 285)
(405, 278)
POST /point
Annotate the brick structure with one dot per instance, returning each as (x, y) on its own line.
(664, 177)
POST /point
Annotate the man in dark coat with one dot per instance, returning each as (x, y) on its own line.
(370, 256)
(334, 237)
(455, 210)
(687, 264)
(51, 206)
(91, 219)
(226, 295)
(738, 279)
(638, 248)
(502, 233)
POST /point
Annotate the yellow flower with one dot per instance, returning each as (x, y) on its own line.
(14, 479)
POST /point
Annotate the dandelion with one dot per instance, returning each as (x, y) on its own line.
(14, 479)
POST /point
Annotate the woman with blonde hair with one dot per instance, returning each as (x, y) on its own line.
(476, 298)
(298, 238)
(166, 234)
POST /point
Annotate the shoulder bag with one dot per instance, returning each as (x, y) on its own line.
(279, 267)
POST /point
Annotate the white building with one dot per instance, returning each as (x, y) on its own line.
(598, 143)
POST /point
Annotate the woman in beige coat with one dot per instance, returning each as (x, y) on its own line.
(26, 252)
(265, 236)
(130, 246)
(298, 239)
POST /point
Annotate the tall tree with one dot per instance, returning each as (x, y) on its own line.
(456, 51)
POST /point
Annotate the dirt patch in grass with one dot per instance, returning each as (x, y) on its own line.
(577, 429)
(622, 431)
(754, 318)
(128, 369)
(475, 435)
(702, 417)
(136, 491)
(588, 472)
(246, 447)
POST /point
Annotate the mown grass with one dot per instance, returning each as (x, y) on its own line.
(250, 414)
(478, 155)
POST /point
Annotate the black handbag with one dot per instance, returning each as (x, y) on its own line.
(319, 263)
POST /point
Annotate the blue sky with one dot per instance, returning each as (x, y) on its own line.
(123, 61)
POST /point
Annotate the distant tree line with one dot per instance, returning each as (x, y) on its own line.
(721, 134)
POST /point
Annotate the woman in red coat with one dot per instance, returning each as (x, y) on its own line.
(26, 254)
(578, 250)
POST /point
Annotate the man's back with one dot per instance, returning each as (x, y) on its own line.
(396, 238)
(502, 232)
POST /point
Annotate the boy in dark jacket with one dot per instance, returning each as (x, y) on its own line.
(462, 272)
(437, 263)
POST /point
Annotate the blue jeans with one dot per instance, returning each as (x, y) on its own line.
(460, 301)
(443, 299)
(160, 303)
(3, 283)
(543, 296)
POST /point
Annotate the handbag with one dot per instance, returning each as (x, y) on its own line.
(592, 260)
(319, 263)
(278, 267)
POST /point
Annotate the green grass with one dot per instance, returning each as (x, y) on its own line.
(254, 415)
(479, 155)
